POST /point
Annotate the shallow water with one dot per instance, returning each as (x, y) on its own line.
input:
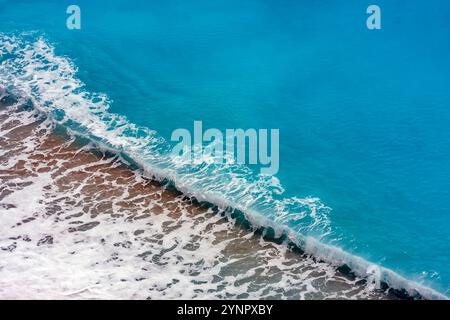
(78, 223)
(363, 115)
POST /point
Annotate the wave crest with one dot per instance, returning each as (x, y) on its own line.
(30, 69)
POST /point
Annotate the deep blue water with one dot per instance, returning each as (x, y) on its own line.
(363, 115)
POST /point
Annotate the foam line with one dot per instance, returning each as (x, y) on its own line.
(30, 69)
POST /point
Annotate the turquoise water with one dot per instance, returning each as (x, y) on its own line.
(363, 115)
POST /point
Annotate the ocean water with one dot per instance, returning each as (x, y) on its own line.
(363, 115)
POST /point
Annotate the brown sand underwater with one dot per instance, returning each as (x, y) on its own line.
(77, 223)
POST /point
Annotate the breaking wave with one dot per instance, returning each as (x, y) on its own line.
(46, 82)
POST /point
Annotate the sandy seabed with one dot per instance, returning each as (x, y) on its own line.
(79, 223)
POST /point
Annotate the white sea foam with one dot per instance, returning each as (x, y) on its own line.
(50, 82)
(79, 225)
(30, 69)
